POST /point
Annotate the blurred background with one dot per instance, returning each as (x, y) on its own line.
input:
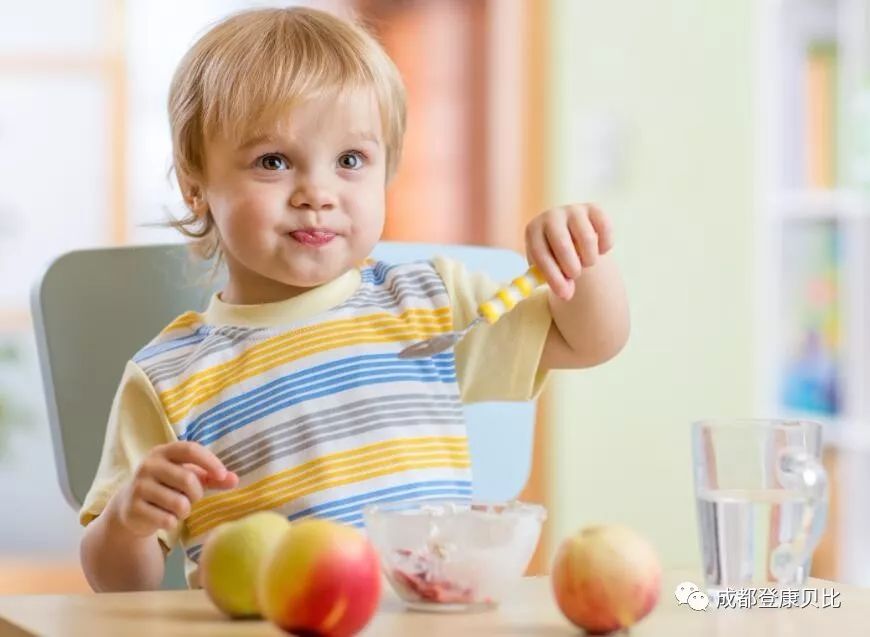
(729, 140)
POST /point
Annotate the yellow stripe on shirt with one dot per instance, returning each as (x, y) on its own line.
(329, 471)
(339, 459)
(184, 321)
(376, 328)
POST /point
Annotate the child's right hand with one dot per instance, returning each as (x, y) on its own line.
(167, 483)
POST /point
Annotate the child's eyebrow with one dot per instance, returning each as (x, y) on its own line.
(366, 136)
(256, 141)
(270, 139)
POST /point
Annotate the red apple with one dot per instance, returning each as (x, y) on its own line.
(606, 578)
(321, 578)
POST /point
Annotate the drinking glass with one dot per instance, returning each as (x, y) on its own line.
(762, 500)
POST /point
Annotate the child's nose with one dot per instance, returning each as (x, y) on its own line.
(312, 195)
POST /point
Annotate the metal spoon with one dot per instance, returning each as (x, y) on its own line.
(490, 311)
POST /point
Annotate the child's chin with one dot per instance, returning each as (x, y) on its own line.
(301, 271)
(311, 279)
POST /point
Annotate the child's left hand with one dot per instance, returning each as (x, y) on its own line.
(564, 240)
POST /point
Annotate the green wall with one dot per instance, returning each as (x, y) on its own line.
(678, 76)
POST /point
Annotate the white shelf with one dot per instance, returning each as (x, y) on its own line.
(786, 29)
(819, 204)
(848, 437)
(837, 432)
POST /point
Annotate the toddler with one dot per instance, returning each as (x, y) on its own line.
(287, 393)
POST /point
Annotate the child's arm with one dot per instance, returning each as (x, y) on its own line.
(120, 550)
(114, 559)
(587, 298)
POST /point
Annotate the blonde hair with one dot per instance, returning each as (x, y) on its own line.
(254, 65)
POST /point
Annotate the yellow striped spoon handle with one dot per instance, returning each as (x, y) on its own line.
(489, 311)
(507, 297)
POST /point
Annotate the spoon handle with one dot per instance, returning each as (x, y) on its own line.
(508, 296)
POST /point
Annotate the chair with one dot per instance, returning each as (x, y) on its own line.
(93, 309)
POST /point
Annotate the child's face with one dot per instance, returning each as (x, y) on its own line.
(322, 167)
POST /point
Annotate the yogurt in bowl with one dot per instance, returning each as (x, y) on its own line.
(451, 555)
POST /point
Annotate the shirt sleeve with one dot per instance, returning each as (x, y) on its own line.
(137, 423)
(500, 361)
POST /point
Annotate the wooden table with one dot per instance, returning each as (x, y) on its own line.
(529, 611)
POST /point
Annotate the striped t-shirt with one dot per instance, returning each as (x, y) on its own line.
(307, 401)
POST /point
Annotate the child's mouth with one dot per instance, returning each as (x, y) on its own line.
(313, 238)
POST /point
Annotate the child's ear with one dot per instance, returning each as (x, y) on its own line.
(193, 195)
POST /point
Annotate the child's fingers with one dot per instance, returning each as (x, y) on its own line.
(539, 254)
(585, 238)
(145, 517)
(165, 498)
(200, 473)
(603, 228)
(186, 479)
(229, 481)
(194, 453)
(562, 247)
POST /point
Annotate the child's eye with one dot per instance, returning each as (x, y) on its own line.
(352, 161)
(272, 162)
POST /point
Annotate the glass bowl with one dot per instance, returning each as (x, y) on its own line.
(445, 555)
